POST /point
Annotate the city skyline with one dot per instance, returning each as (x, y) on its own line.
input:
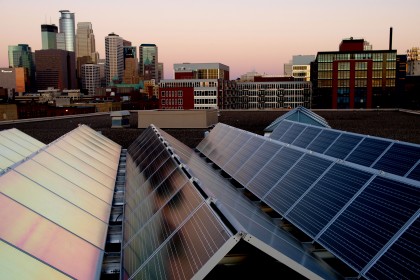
(247, 36)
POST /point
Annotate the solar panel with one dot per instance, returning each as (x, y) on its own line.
(321, 143)
(225, 154)
(398, 159)
(327, 197)
(238, 159)
(368, 151)
(274, 170)
(415, 172)
(294, 184)
(344, 144)
(291, 134)
(371, 220)
(400, 261)
(306, 137)
(280, 129)
(256, 162)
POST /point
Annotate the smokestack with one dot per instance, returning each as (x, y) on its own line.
(390, 39)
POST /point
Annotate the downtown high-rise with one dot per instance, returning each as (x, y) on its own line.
(67, 27)
(22, 56)
(85, 45)
(148, 64)
(49, 36)
(114, 64)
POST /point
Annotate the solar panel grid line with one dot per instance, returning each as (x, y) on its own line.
(339, 149)
(321, 129)
(391, 241)
(225, 142)
(228, 162)
(142, 160)
(147, 200)
(323, 141)
(307, 190)
(332, 143)
(355, 147)
(205, 142)
(381, 155)
(15, 147)
(283, 176)
(302, 140)
(95, 145)
(89, 164)
(412, 168)
(234, 146)
(345, 207)
(281, 129)
(237, 175)
(164, 242)
(294, 136)
(399, 158)
(18, 139)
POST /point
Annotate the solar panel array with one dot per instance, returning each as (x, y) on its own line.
(362, 216)
(399, 158)
(16, 146)
(55, 206)
(180, 214)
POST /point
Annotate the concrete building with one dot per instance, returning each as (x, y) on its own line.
(91, 78)
(148, 63)
(201, 71)
(55, 68)
(85, 45)
(190, 94)
(22, 56)
(49, 36)
(67, 27)
(161, 74)
(114, 64)
(353, 77)
(272, 94)
(15, 80)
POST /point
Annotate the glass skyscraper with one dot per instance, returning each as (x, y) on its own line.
(67, 26)
(148, 64)
(21, 56)
(49, 36)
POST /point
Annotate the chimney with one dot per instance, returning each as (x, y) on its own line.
(390, 39)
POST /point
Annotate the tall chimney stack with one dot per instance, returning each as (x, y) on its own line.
(390, 39)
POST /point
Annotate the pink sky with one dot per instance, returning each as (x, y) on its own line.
(245, 35)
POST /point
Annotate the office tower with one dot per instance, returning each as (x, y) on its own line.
(14, 79)
(91, 78)
(49, 36)
(55, 68)
(148, 64)
(101, 64)
(61, 41)
(114, 65)
(67, 26)
(131, 75)
(301, 66)
(85, 45)
(22, 56)
(354, 77)
(160, 71)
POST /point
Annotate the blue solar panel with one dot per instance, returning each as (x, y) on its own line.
(343, 145)
(284, 194)
(231, 149)
(292, 133)
(368, 151)
(280, 130)
(415, 173)
(306, 137)
(371, 220)
(323, 141)
(225, 148)
(236, 162)
(400, 261)
(273, 171)
(256, 161)
(399, 159)
(327, 197)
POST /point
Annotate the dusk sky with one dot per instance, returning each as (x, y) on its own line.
(245, 35)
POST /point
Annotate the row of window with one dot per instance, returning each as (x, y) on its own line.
(274, 86)
(375, 56)
(171, 93)
(181, 83)
(205, 101)
(172, 101)
(205, 93)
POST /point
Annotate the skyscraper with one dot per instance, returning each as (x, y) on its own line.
(148, 64)
(21, 56)
(114, 65)
(49, 36)
(85, 45)
(55, 68)
(91, 78)
(67, 26)
(131, 75)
